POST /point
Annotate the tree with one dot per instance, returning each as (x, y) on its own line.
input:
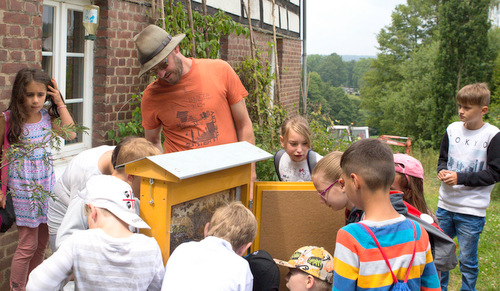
(333, 70)
(313, 62)
(384, 86)
(359, 70)
(331, 101)
(463, 57)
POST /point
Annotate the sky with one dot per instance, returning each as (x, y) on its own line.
(346, 27)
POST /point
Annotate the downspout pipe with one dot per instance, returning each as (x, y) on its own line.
(304, 58)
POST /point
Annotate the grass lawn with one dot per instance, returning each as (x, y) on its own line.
(489, 243)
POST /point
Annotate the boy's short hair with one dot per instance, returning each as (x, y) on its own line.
(234, 223)
(372, 160)
(329, 166)
(299, 124)
(474, 94)
(132, 148)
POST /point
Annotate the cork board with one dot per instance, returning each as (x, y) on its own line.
(291, 215)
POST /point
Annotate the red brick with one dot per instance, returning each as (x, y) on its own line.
(31, 8)
(16, 55)
(14, 30)
(16, 18)
(37, 21)
(30, 56)
(16, 5)
(12, 68)
(29, 32)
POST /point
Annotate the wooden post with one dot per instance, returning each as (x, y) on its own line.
(252, 50)
(191, 25)
(162, 14)
(204, 7)
(276, 65)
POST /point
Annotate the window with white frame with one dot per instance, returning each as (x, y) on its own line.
(68, 57)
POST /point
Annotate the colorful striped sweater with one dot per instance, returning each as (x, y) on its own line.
(359, 265)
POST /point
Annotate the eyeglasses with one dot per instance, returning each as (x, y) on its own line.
(161, 66)
(322, 194)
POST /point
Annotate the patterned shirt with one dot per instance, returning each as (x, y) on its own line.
(359, 264)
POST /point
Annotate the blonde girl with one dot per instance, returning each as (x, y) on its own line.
(296, 160)
(326, 179)
(29, 122)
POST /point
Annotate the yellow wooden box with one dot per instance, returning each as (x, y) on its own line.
(171, 179)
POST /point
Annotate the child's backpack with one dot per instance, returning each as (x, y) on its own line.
(311, 161)
(398, 285)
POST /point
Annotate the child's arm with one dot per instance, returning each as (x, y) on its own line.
(73, 220)
(345, 263)
(54, 272)
(446, 176)
(429, 277)
(491, 174)
(443, 154)
(66, 118)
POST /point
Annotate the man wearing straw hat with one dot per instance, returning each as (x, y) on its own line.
(195, 102)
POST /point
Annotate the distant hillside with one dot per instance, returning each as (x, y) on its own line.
(348, 58)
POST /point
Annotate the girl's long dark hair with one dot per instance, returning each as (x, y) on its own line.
(16, 106)
(414, 194)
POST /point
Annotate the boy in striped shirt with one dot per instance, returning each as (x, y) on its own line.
(108, 256)
(359, 264)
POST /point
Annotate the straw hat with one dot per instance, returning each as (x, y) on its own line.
(153, 45)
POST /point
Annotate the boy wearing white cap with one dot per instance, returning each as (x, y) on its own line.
(311, 269)
(108, 255)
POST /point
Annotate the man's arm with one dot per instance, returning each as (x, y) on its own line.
(244, 131)
(154, 136)
(242, 122)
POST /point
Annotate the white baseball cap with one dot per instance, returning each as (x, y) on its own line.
(114, 195)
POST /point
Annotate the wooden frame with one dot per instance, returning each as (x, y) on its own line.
(291, 215)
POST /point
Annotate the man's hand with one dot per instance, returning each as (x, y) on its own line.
(448, 177)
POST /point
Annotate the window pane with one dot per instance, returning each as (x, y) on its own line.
(76, 110)
(47, 64)
(47, 28)
(76, 32)
(74, 77)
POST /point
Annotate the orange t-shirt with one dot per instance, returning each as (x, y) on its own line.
(196, 111)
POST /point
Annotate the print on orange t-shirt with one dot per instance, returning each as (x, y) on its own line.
(195, 112)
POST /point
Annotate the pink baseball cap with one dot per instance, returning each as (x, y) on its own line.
(408, 165)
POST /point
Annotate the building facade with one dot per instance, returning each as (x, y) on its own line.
(98, 78)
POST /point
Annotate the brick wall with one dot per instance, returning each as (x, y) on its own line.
(289, 59)
(8, 245)
(20, 41)
(116, 67)
(20, 47)
(235, 49)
